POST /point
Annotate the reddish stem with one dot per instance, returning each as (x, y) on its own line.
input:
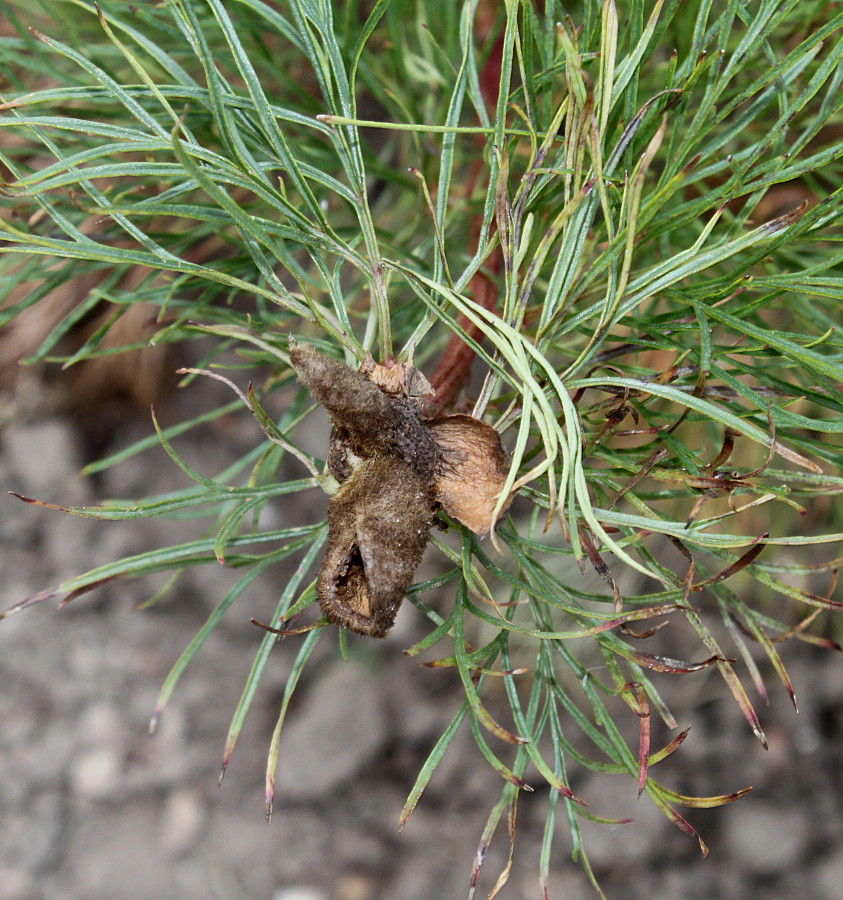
(454, 366)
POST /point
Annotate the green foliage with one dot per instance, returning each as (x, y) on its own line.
(659, 311)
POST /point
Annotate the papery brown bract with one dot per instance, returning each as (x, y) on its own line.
(378, 524)
(471, 471)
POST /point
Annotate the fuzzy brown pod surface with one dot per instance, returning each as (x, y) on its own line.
(395, 464)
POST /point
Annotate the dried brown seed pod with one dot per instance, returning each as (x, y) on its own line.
(471, 471)
(378, 524)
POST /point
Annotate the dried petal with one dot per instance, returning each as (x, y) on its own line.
(378, 523)
(471, 472)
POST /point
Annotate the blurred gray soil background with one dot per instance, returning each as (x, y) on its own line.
(92, 806)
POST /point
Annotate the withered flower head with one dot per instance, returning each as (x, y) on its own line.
(395, 465)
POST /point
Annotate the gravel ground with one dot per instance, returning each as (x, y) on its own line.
(92, 806)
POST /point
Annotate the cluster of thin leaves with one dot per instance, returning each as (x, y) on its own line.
(666, 342)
